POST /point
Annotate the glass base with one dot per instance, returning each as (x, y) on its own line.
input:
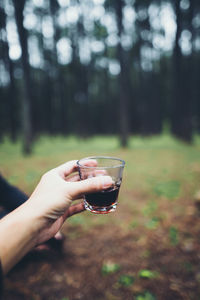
(100, 210)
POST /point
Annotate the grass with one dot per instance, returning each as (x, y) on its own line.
(153, 223)
(157, 167)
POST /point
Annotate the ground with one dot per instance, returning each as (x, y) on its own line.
(148, 249)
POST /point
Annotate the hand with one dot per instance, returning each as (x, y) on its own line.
(54, 194)
(42, 215)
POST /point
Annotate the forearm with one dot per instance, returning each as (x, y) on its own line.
(43, 214)
(18, 235)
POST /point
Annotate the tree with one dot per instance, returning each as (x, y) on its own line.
(71, 98)
(27, 97)
(12, 93)
(123, 79)
(181, 108)
(59, 100)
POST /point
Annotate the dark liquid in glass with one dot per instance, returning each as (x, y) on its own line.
(104, 198)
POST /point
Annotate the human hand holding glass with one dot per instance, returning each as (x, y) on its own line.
(43, 214)
(104, 201)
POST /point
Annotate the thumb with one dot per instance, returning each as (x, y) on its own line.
(90, 185)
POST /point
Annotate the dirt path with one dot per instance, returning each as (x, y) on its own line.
(104, 262)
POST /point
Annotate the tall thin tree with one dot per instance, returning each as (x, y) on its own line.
(27, 98)
(123, 79)
(12, 93)
(181, 106)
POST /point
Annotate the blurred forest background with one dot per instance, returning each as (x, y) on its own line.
(81, 78)
(99, 67)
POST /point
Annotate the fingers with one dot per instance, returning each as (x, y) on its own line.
(89, 174)
(75, 209)
(71, 166)
(67, 168)
(89, 162)
(72, 210)
(90, 185)
(92, 173)
(73, 178)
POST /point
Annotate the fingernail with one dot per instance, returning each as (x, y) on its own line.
(106, 181)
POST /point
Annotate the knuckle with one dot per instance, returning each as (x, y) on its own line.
(98, 183)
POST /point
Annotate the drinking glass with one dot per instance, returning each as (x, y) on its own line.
(104, 201)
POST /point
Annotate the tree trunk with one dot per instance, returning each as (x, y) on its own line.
(58, 99)
(181, 109)
(12, 105)
(191, 65)
(27, 99)
(123, 81)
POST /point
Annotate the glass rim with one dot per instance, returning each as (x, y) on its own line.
(121, 164)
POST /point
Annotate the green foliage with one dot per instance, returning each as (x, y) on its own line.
(133, 224)
(147, 274)
(126, 280)
(145, 296)
(153, 223)
(109, 268)
(150, 208)
(173, 235)
(169, 189)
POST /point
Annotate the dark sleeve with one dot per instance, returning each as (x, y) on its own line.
(1, 282)
(10, 196)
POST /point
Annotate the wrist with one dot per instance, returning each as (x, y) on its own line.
(18, 235)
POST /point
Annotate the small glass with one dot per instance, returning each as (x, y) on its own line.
(105, 201)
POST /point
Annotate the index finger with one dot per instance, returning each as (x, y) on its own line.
(67, 168)
(71, 166)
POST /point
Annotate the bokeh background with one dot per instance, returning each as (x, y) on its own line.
(117, 78)
(99, 67)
